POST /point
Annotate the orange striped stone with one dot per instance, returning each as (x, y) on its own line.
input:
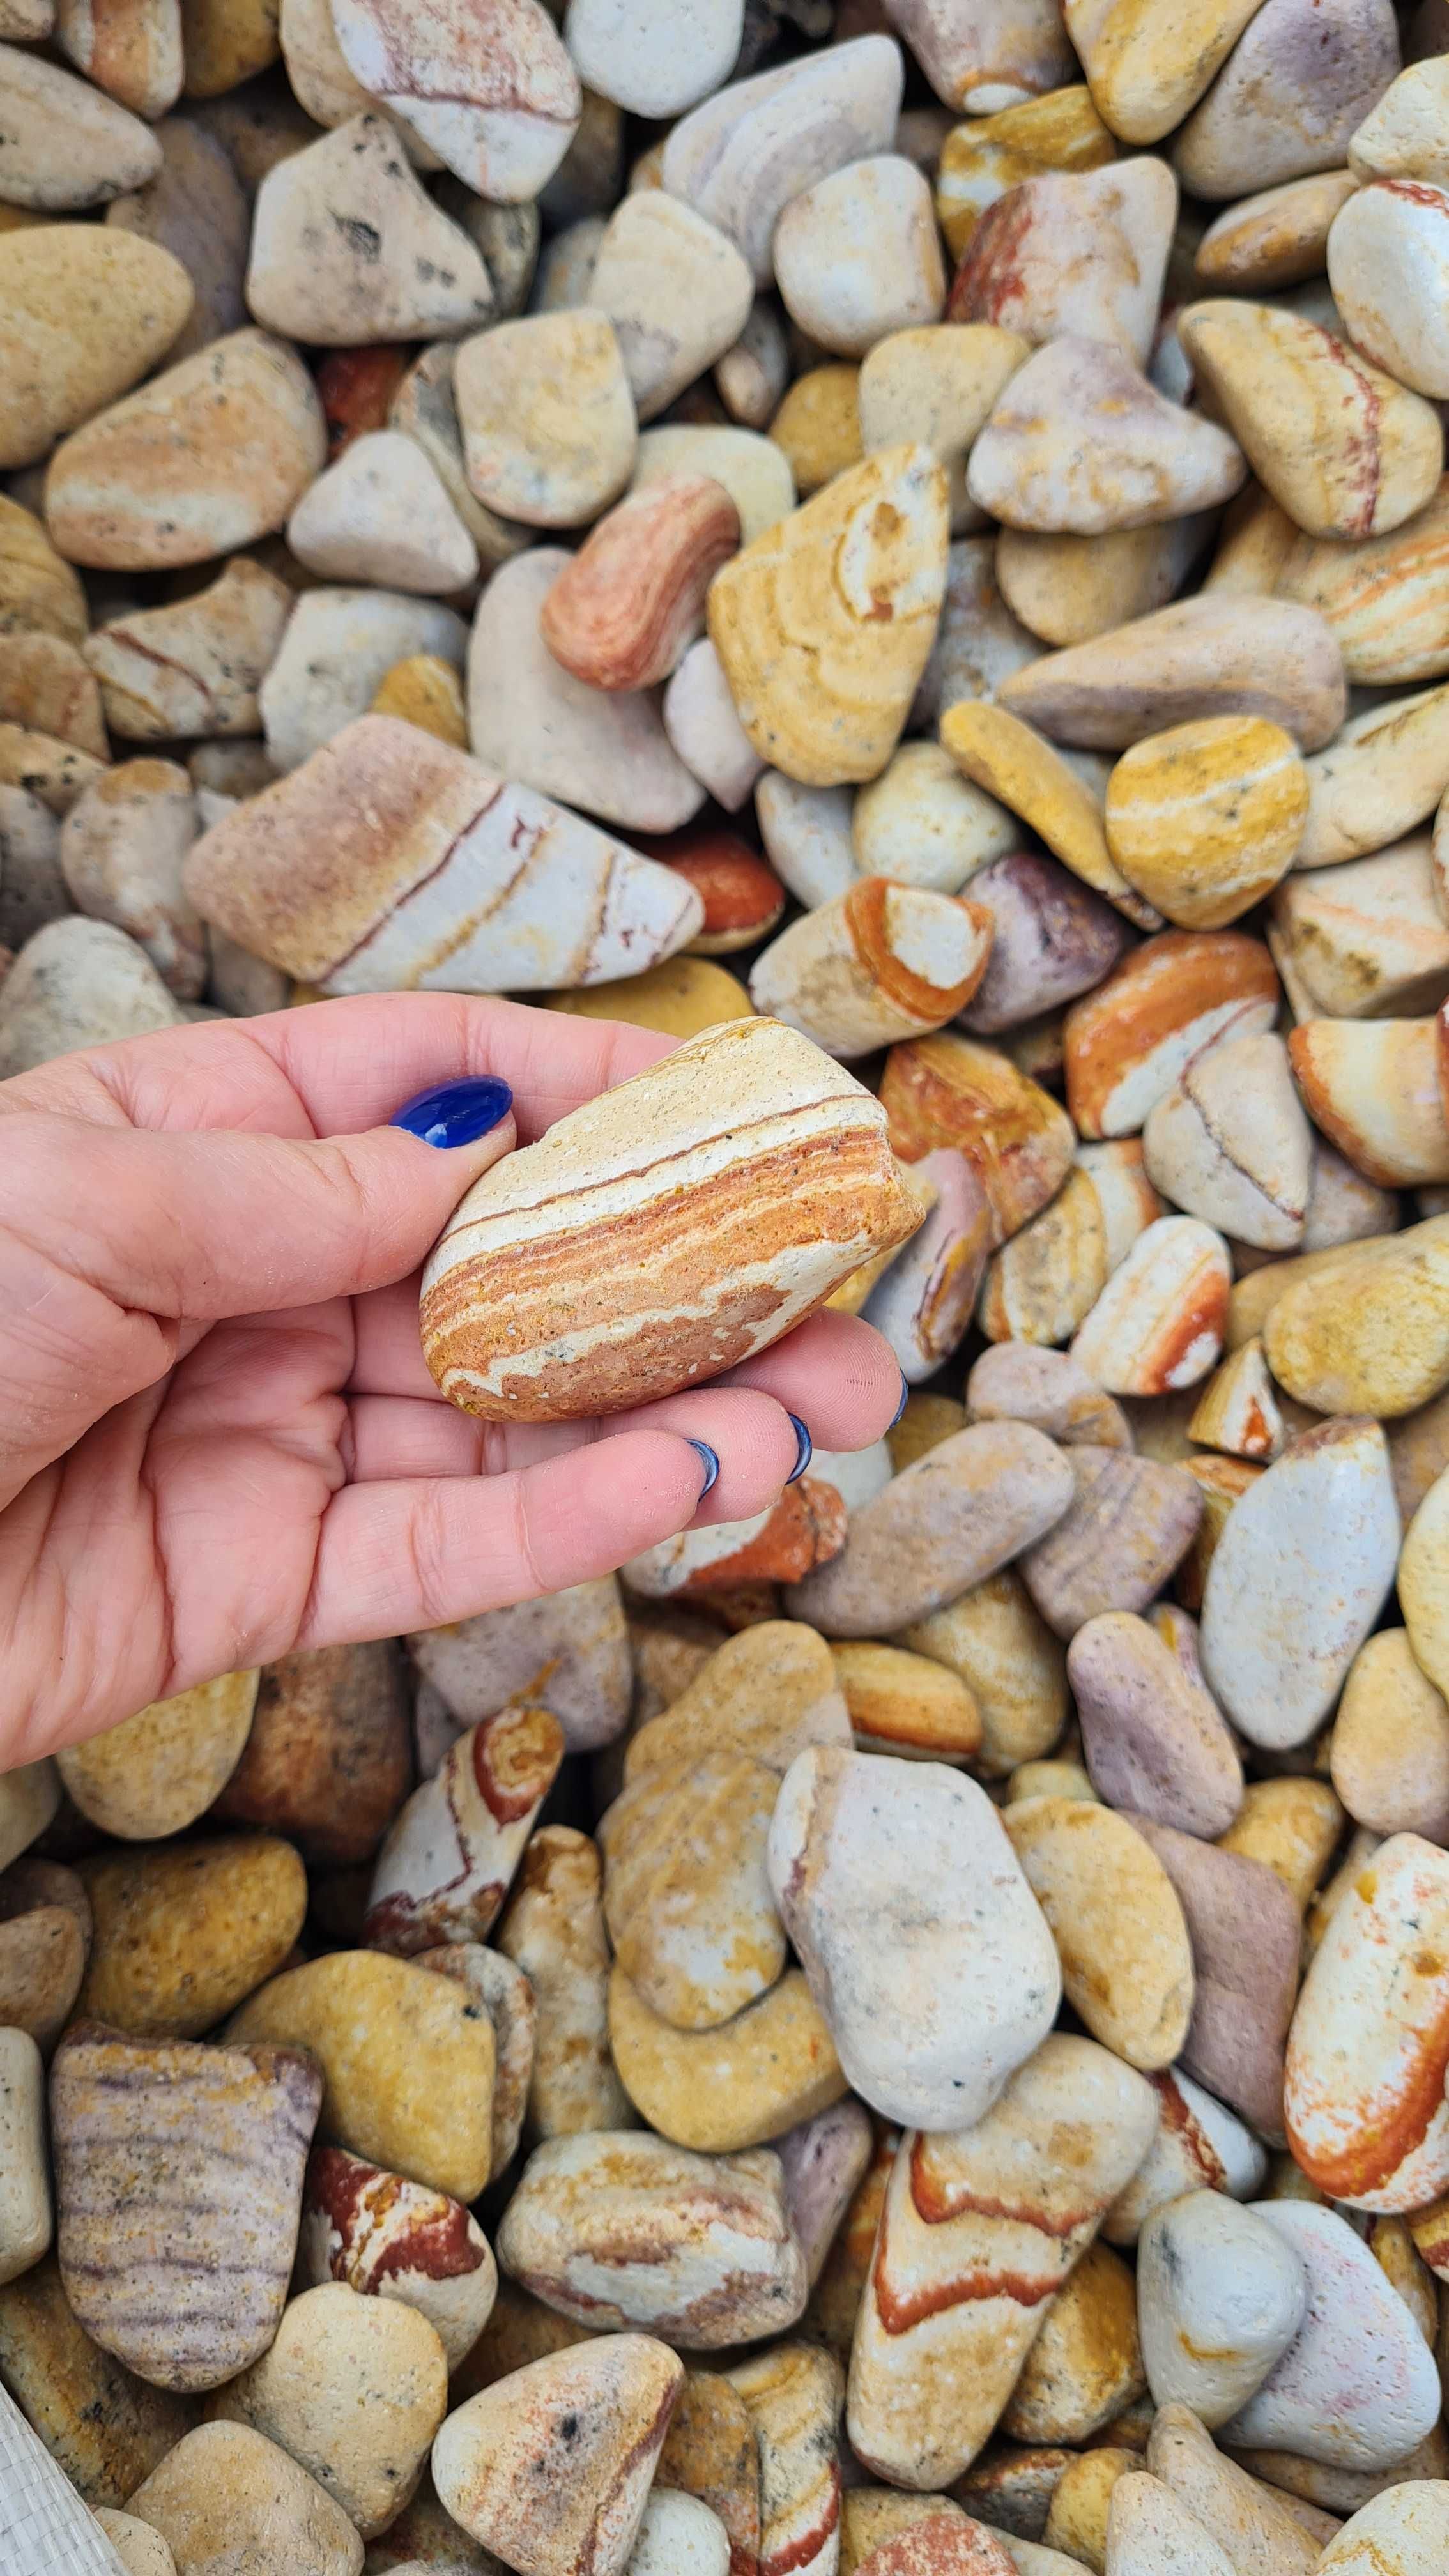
(948, 1090)
(625, 607)
(876, 964)
(1131, 1040)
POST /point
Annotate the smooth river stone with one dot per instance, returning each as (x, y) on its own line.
(605, 750)
(769, 1693)
(1363, 2091)
(568, 1652)
(348, 247)
(626, 606)
(1146, 72)
(337, 648)
(1220, 2298)
(1298, 1579)
(938, 1529)
(686, 1893)
(675, 289)
(196, 209)
(620, 2229)
(380, 514)
(45, 1933)
(393, 2239)
(1402, 2532)
(1154, 1740)
(158, 1771)
(979, 2228)
(950, 1091)
(1127, 1963)
(745, 153)
(880, 963)
(67, 144)
(164, 2145)
(490, 89)
(1073, 253)
(824, 624)
(1156, 1014)
(25, 2210)
(1357, 2387)
(547, 417)
(1246, 1935)
(553, 2463)
(78, 983)
(195, 665)
(84, 312)
(327, 1762)
(554, 1930)
(389, 860)
(228, 2501)
(508, 1342)
(1231, 1144)
(408, 2061)
(1299, 81)
(211, 454)
(1080, 443)
(183, 1935)
(922, 1944)
(1200, 657)
(445, 1867)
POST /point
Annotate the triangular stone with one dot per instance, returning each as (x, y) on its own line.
(1150, 2532)
(348, 247)
(1216, 655)
(488, 85)
(1081, 443)
(550, 2467)
(1243, 2515)
(1345, 450)
(380, 514)
(1079, 252)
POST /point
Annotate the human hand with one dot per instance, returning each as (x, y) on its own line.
(219, 1440)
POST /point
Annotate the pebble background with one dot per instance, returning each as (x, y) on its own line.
(904, 544)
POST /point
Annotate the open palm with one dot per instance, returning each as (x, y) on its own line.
(218, 1438)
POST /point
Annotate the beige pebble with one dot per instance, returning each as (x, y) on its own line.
(1158, 1323)
(1360, 1350)
(547, 417)
(1238, 1410)
(987, 155)
(39, 592)
(936, 385)
(45, 1933)
(553, 1928)
(193, 666)
(1067, 589)
(766, 1694)
(995, 1641)
(121, 849)
(1045, 1281)
(425, 409)
(1373, 1087)
(1149, 461)
(25, 2205)
(1129, 1525)
(67, 144)
(83, 313)
(1385, 265)
(1200, 657)
(158, 1771)
(826, 699)
(1274, 239)
(554, 2462)
(1382, 598)
(1230, 1144)
(196, 209)
(1366, 939)
(379, 514)
(685, 1893)
(211, 454)
(1389, 1753)
(1422, 1595)
(923, 824)
(1386, 772)
(1075, 253)
(46, 688)
(754, 471)
(353, 2389)
(141, 2551)
(184, 1934)
(347, 247)
(1288, 99)
(78, 983)
(857, 255)
(1145, 74)
(676, 290)
(500, 109)
(1127, 1963)
(1253, 2523)
(227, 2496)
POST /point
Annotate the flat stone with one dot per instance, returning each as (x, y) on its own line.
(895, 2004)
(158, 1771)
(1295, 87)
(347, 246)
(1200, 657)
(923, 1305)
(941, 2315)
(183, 1936)
(66, 144)
(25, 2211)
(676, 290)
(490, 90)
(1275, 239)
(156, 2141)
(620, 2229)
(547, 417)
(1150, 461)
(1298, 1579)
(1128, 1043)
(1205, 818)
(83, 314)
(381, 515)
(1238, 1410)
(1221, 2297)
(353, 2389)
(327, 1762)
(227, 2498)
(1357, 2387)
(859, 1208)
(1230, 1143)
(392, 2239)
(605, 751)
(1342, 446)
(553, 2463)
(209, 455)
(196, 665)
(1154, 1741)
(408, 2065)
(1078, 253)
(195, 208)
(741, 157)
(1246, 1937)
(937, 1530)
(1380, 778)
(825, 694)
(1367, 938)
(1145, 76)
(742, 2084)
(554, 1930)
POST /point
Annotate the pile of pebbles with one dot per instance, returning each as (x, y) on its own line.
(906, 547)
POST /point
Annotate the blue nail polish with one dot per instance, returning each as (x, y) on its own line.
(905, 1400)
(456, 1113)
(804, 1449)
(711, 1465)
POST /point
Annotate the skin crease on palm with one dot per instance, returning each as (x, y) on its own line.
(218, 1438)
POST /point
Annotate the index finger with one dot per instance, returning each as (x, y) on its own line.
(337, 1068)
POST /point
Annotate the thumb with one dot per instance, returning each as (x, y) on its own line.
(191, 1228)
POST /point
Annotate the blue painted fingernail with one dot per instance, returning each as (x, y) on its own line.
(905, 1400)
(711, 1465)
(804, 1449)
(456, 1113)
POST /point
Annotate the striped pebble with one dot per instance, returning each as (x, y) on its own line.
(880, 963)
(391, 860)
(624, 609)
(446, 1865)
(662, 1233)
(794, 2396)
(1131, 1040)
(1159, 1322)
(1205, 818)
(387, 2237)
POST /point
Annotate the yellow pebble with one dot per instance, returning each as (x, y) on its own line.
(679, 998)
(1205, 818)
(926, 1422)
(1028, 775)
(818, 426)
(1292, 1825)
(1049, 1780)
(1077, 2522)
(906, 1704)
(427, 692)
(987, 155)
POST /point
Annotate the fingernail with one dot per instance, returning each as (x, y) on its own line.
(711, 1465)
(804, 1449)
(456, 1113)
(905, 1400)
